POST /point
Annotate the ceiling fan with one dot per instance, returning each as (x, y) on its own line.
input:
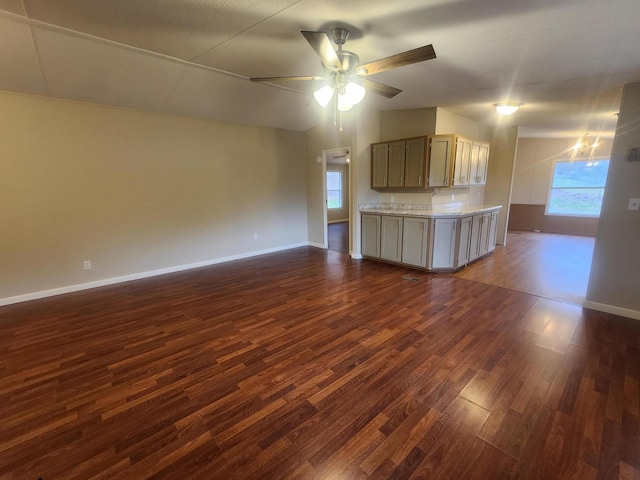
(344, 80)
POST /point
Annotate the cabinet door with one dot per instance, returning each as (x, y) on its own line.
(462, 162)
(414, 162)
(444, 243)
(464, 242)
(440, 160)
(414, 241)
(479, 163)
(371, 235)
(396, 164)
(474, 242)
(483, 163)
(493, 230)
(484, 233)
(379, 164)
(473, 166)
(391, 238)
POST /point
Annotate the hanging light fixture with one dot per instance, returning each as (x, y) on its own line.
(345, 93)
(584, 148)
(323, 95)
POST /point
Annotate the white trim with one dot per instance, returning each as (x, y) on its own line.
(603, 307)
(356, 256)
(137, 276)
(317, 245)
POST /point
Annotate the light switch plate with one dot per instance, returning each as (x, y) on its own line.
(634, 204)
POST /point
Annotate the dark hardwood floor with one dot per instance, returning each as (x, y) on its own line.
(306, 364)
(338, 237)
(550, 265)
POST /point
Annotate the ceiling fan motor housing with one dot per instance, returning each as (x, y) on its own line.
(340, 35)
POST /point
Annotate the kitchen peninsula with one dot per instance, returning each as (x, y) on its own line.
(440, 238)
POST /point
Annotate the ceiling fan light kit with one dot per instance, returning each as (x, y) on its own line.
(344, 81)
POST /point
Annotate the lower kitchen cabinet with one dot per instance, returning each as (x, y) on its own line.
(391, 238)
(444, 243)
(415, 235)
(396, 239)
(485, 223)
(493, 230)
(371, 235)
(435, 244)
(464, 241)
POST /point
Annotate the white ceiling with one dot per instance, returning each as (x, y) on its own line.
(566, 60)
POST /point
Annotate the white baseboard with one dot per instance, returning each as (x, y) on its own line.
(356, 256)
(603, 307)
(137, 276)
(317, 245)
(338, 221)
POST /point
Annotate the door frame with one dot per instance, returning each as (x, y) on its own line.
(327, 154)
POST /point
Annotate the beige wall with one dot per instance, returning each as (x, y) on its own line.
(397, 124)
(614, 282)
(367, 131)
(504, 144)
(340, 214)
(534, 163)
(136, 192)
(531, 182)
(325, 136)
(447, 122)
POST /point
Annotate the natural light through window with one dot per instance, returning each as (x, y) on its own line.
(334, 189)
(577, 188)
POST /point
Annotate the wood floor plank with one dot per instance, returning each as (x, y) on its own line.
(308, 364)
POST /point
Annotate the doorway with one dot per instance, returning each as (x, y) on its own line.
(337, 198)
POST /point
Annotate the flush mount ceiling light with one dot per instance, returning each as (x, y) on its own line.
(507, 108)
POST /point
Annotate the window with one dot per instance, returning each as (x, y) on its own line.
(577, 188)
(334, 189)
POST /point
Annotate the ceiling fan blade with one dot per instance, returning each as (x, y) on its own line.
(320, 42)
(401, 59)
(275, 79)
(380, 88)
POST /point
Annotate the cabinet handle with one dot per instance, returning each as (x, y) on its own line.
(419, 179)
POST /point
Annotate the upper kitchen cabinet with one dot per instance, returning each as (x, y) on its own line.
(432, 161)
(399, 164)
(462, 162)
(440, 160)
(479, 163)
(415, 162)
(379, 165)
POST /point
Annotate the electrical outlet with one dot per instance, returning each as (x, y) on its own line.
(87, 264)
(393, 199)
(255, 236)
(634, 204)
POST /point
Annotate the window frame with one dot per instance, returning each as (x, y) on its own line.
(551, 188)
(341, 190)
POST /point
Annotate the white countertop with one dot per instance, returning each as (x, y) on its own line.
(458, 209)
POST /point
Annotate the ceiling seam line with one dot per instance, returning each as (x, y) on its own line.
(39, 60)
(105, 41)
(246, 30)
